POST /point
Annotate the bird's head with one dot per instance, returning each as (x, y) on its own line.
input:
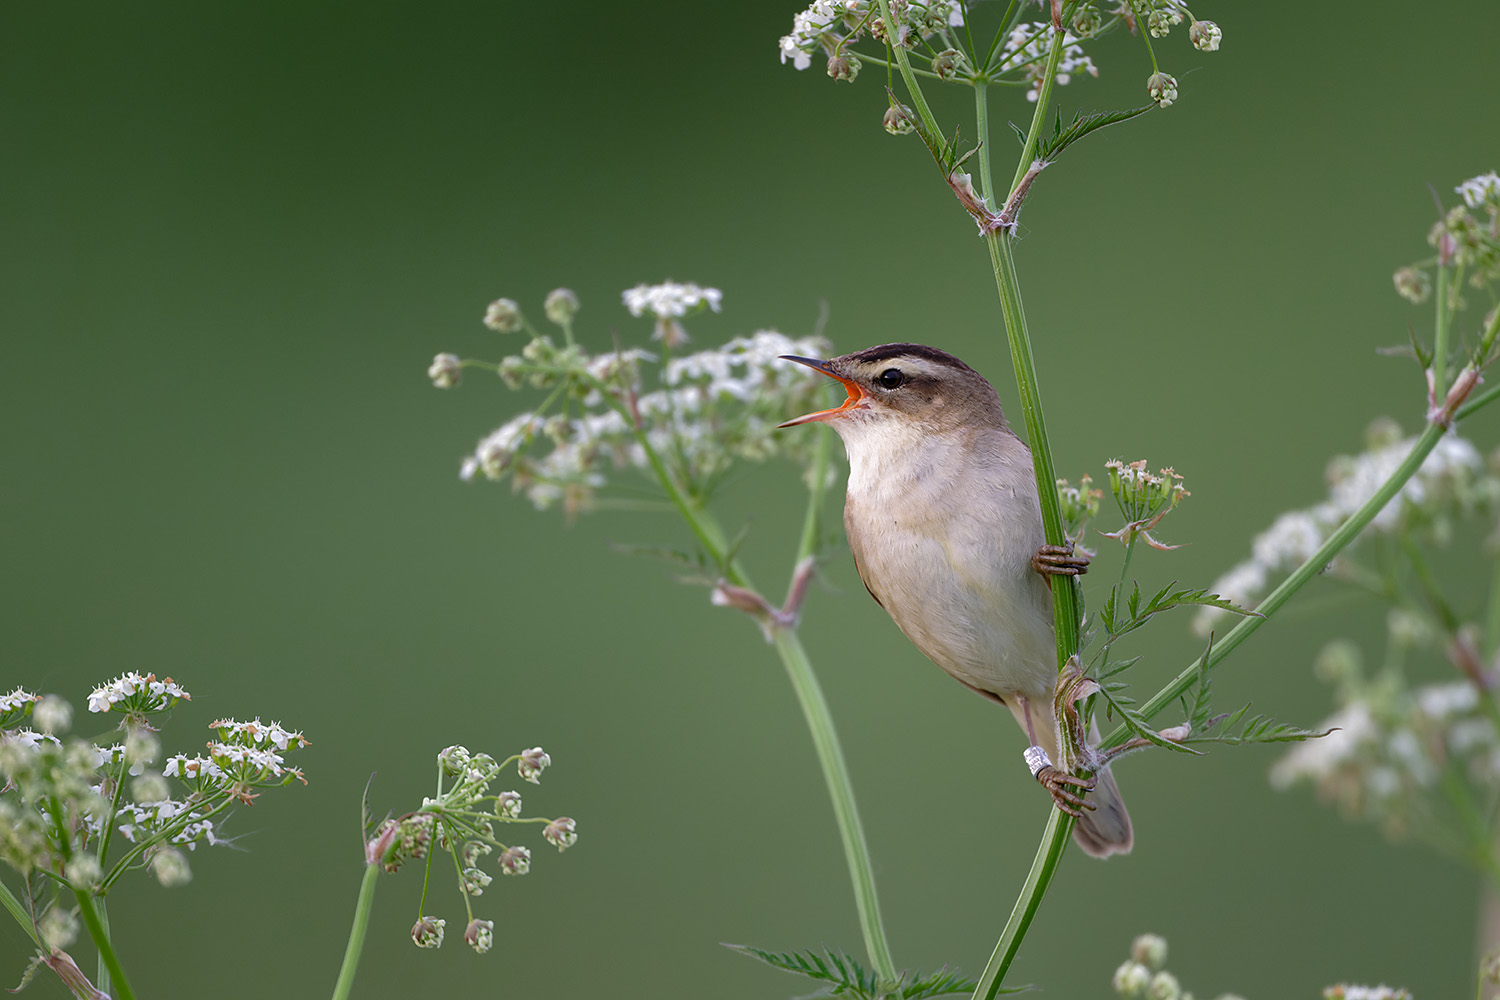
(912, 385)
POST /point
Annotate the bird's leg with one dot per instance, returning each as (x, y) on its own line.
(1059, 560)
(1056, 782)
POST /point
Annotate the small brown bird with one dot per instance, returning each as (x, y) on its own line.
(945, 526)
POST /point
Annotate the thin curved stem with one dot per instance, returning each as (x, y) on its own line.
(362, 910)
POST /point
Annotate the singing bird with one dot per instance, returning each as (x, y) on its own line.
(945, 526)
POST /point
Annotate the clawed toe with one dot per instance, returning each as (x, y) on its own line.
(1059, 560)
(1056, 782)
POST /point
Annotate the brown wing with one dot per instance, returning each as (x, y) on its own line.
(862, 579)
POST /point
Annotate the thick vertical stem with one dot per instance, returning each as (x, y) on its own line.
(1064, 589)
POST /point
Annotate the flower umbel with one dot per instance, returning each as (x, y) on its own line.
(1144, 498)
(461, 820)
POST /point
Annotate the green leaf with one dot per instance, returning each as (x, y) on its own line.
(1253, 729)
(1082, 125)
(845, 977)
(1164, 600)
(1138, 725)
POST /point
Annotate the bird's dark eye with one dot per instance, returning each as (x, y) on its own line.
(892, 378)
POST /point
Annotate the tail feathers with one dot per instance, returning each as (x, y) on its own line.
(1105, 830)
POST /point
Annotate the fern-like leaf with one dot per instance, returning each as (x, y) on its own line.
(1082, 125)
(843, 976)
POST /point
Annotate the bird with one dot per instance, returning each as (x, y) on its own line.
(944, 523)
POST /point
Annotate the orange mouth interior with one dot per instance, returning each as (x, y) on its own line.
(855, 395)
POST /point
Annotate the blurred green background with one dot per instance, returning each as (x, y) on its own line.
(235, 235)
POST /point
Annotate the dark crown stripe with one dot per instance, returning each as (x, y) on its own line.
(886, 352)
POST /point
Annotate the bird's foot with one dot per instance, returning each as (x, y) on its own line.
(1059, 560)
(1059, 784)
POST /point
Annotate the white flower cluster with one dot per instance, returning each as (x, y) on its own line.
(1480, 191)
(1454, 472)
(16, 701)
(1027, 47)
(815, 29)
(1391, 746)
(137, 694)
(716, 406)
(140, 821)
(670, 299)
(240, 759)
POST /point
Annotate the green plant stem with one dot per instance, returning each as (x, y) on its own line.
(1336, 542)
(9, 900)
(814, 707)
(1064, 589)
(982, 129)
(1440, 337)
(362, 910)
(101, 968)
(1049, 853)
(116, 975)
(841, 792)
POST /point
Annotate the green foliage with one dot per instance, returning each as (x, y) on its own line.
(845, 977)
(1083, 124)
(1252, 729)
(1119, 621)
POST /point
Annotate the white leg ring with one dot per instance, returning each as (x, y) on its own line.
(1036, 759)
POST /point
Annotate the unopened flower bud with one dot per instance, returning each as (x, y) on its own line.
(1382, 433)
(1205, 36)
(427, 932)
(508, 805)
(141, 748)
(1131, 980)
(445, 370)
(948, 63)
(1162, 88)
(52, 715)
(515, 861)
(150, 787)
(561, 306)
(532, 763)
(1164, 986)
(475, 880)
(83, 870)
(897, 119)
(503, 316)
(560, 833)
(1159, 22)
(1412, 285)
(844, 66)
(453, 760)
(480, 935)
(1150, 950)
(510, 372)
(1086, 21)
(58, 927)
(170, 866)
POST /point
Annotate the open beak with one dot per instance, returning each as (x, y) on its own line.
(856, 394)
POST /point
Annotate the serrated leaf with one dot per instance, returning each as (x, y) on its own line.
(1141, 728)
(846, 977)
(1119, 666)
(1165, 600)
(1255, 729)
(1082, 125)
